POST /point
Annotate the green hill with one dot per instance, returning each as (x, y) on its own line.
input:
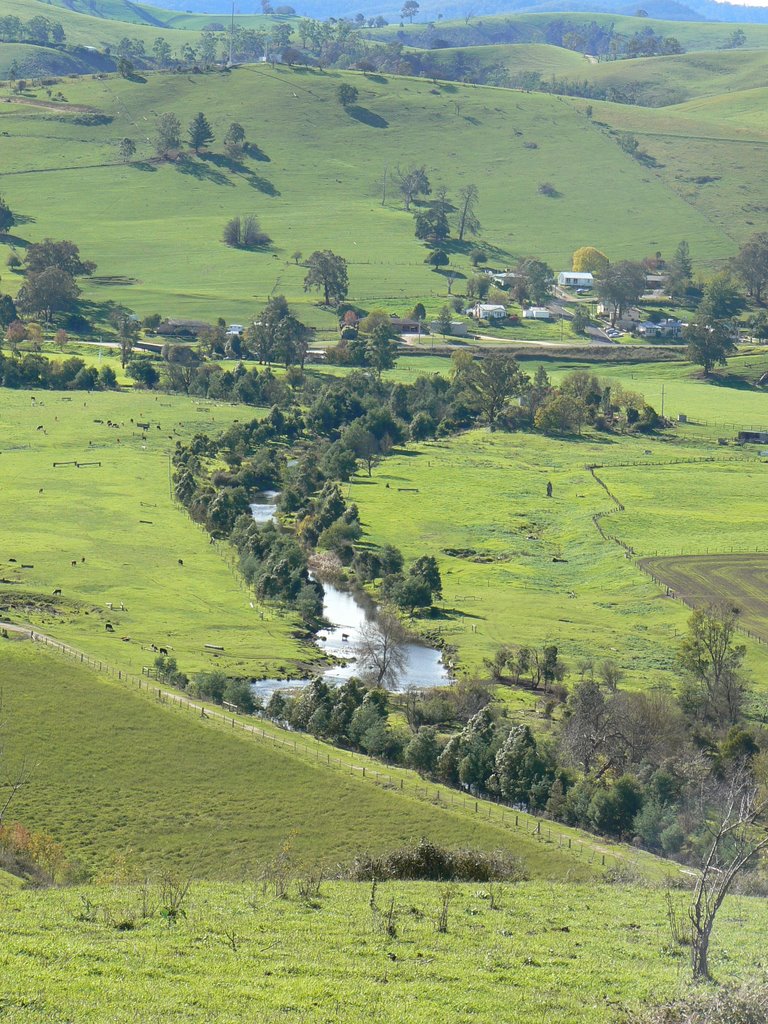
(533, 28)
(661, 81)
(105, 28)
(160, 225)
(117, 774)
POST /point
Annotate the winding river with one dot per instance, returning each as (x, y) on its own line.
(348, 613)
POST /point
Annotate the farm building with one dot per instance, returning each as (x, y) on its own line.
(502, 278)
(404, 325)
(487, 311)
(663, 329)
(458, 329)
(753, 437)
(537, 313)
(574, 279)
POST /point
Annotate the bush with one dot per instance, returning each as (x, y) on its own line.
(428, 862)
(244, 233)
(747, 1004)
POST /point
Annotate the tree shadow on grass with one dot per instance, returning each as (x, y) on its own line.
(143, 165)
(262, 185)
(201, 171)
(365, 116)
(255, 153)
(15, 240)
(732, 381)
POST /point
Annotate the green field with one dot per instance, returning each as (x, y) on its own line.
(118, 522)
(480, 506)
(169, 257)
(546, 954)
(116, 773)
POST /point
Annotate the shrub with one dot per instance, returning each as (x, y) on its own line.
(747, 1004)
(244, 233)
(428, 862)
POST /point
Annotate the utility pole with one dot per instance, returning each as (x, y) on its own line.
(231, 35)
(662, 401)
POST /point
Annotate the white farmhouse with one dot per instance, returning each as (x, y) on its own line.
(574, 279)
(488, 311)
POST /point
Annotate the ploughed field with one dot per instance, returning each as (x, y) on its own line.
(738, 581)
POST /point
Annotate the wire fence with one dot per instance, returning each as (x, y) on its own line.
(599, 853)
(639, 562)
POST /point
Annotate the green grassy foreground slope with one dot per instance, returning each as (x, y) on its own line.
(546, 954)
(160, 225)
(117, 774)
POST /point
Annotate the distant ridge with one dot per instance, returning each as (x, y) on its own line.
(667, 10)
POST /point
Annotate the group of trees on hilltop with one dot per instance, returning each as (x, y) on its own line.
(39, 30)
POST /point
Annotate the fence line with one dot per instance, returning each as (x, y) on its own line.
(630, 553)
(543, 830)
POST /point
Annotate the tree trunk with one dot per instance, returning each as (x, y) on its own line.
(700, 954)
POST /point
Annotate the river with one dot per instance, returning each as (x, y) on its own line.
(348, 613)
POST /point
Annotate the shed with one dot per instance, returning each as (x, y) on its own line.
(537, 313)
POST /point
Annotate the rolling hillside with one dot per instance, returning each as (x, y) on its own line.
(118, 775)
(533, 28)
(154, 229)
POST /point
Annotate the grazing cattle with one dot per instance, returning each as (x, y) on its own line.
(163, 650)
(40, 491)
(11, 559)
(181, 561)
(41, 427)
(345, 637)
(57, 592)
(109, 627)
(125, 639)
(73, 563)
(153, 647)
(82, 559)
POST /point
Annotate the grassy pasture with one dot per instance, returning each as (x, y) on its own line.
(115, 773)
(548, 954)
(740, 581)
(481, 508)
(160, 228)
(121, 519)
(675, 79)
(690, 508)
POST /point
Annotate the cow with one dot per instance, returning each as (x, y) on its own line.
(73, 563)
(181, 561)
(163, 650)
(109, 627)
(57, 592)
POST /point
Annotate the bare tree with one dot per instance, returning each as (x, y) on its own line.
(468, 222)
(14, 780)
(381, 649)
(738, 832)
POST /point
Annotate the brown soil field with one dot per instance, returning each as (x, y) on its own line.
(739, 581)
